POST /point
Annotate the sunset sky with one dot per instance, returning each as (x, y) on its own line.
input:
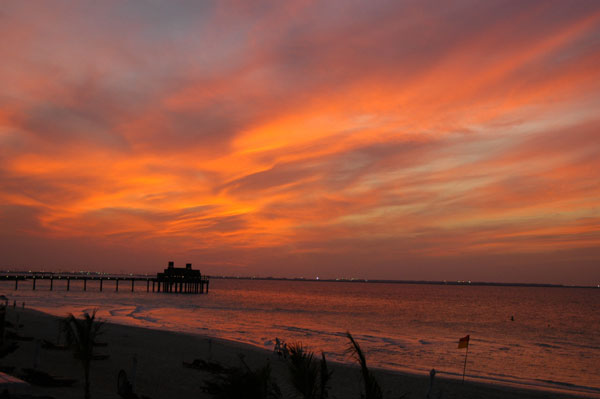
(381, 140)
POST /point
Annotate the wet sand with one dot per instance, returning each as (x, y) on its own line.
(160, 373)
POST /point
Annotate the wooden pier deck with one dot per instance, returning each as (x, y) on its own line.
(197, 284)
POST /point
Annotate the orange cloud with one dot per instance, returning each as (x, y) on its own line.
(391, 141)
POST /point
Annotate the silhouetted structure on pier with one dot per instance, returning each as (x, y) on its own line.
(172, 280)
(183, 280)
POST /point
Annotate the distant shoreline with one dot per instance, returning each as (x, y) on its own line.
(330, 280)
(424, 282)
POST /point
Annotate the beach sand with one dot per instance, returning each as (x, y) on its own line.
(160, 373)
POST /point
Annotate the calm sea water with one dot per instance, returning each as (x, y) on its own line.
(554, 340)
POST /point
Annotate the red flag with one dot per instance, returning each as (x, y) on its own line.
(463, 342)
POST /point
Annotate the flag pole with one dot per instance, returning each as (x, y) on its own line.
(465, 366)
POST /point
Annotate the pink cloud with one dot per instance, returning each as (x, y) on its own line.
(399, 140)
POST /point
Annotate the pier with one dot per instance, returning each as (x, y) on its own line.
(172, 280)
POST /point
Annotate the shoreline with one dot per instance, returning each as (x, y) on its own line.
(160, 373)
(502, 381)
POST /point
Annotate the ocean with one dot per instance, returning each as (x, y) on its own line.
(537, 337)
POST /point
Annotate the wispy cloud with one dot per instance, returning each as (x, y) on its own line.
(388, 140)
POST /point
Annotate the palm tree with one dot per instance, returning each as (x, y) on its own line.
(304, 371)
(242, 382)
(81, 336)
(325, 377)
(308, 376)
(372, 388)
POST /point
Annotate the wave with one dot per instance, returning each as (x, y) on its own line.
(138, 314)
(507, 379)
(544, 345)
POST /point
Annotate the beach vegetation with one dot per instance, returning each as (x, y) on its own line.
(325, 377)
(308, 376)
(243, 382)
(80, 335)
(371, 386)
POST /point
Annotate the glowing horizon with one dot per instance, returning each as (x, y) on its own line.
(383, 141)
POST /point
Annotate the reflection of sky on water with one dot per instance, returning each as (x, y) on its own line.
(412, 327)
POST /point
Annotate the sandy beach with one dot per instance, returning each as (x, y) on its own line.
(160, 372)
